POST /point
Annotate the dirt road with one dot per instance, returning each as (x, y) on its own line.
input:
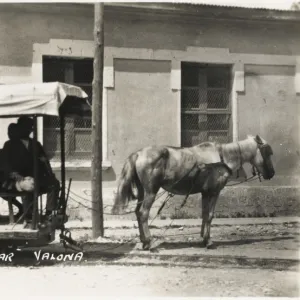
(248, 239)
(209, 276)
(146, 281)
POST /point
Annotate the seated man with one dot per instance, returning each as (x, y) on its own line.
(11, 182)
(20, 159)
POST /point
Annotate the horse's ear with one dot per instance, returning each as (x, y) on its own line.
(258, 139)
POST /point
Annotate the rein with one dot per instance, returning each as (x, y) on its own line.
(246, 180)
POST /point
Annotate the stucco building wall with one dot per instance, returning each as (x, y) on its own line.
(142, 81)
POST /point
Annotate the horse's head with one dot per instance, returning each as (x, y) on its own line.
(262, 158)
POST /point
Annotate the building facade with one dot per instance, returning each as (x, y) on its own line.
(174, 74)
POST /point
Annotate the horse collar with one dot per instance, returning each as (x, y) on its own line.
(222, 159)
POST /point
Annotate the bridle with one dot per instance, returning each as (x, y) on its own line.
(265, 151)
(255, 172)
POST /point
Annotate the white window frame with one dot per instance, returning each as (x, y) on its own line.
(238, 86)
(204, 111)
(71, 49)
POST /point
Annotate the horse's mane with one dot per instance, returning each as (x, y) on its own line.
(242, 148)
(201, 145)
(231, 148)
(206, 144)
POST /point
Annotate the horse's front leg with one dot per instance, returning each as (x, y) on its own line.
(212, 201)
(142, 214)
(205, 200)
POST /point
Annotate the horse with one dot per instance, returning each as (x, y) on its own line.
(203, 168)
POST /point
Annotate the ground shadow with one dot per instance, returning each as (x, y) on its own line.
(107, 251)
(57, 254)
(216, 244)
(101, 252)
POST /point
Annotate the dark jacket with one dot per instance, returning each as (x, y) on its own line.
(20, 159)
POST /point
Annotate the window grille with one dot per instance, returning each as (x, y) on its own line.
(205, 103)
(77, 130)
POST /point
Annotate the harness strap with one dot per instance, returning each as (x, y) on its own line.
(220, 149)
(221, 153)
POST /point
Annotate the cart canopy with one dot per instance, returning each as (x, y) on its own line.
(53, 98)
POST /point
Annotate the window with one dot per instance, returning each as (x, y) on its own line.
(77, 130)
(205, 103)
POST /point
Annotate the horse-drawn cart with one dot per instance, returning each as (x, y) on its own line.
(37, 100)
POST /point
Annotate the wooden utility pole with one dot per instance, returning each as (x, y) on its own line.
(97, 204)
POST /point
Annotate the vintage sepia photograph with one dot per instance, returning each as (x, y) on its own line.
(150, 149)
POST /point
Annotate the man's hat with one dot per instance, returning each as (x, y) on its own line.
(25, 121)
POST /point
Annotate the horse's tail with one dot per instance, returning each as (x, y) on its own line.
(127, 179)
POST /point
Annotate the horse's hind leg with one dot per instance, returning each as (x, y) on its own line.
(137, 211)
(142, 214)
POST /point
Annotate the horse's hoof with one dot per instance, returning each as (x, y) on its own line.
(210, 245)
(154, 250)
(146, 246)
(204, 243)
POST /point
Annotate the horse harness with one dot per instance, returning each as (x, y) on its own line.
(265, 151)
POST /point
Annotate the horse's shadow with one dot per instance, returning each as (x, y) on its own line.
(216, 244)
